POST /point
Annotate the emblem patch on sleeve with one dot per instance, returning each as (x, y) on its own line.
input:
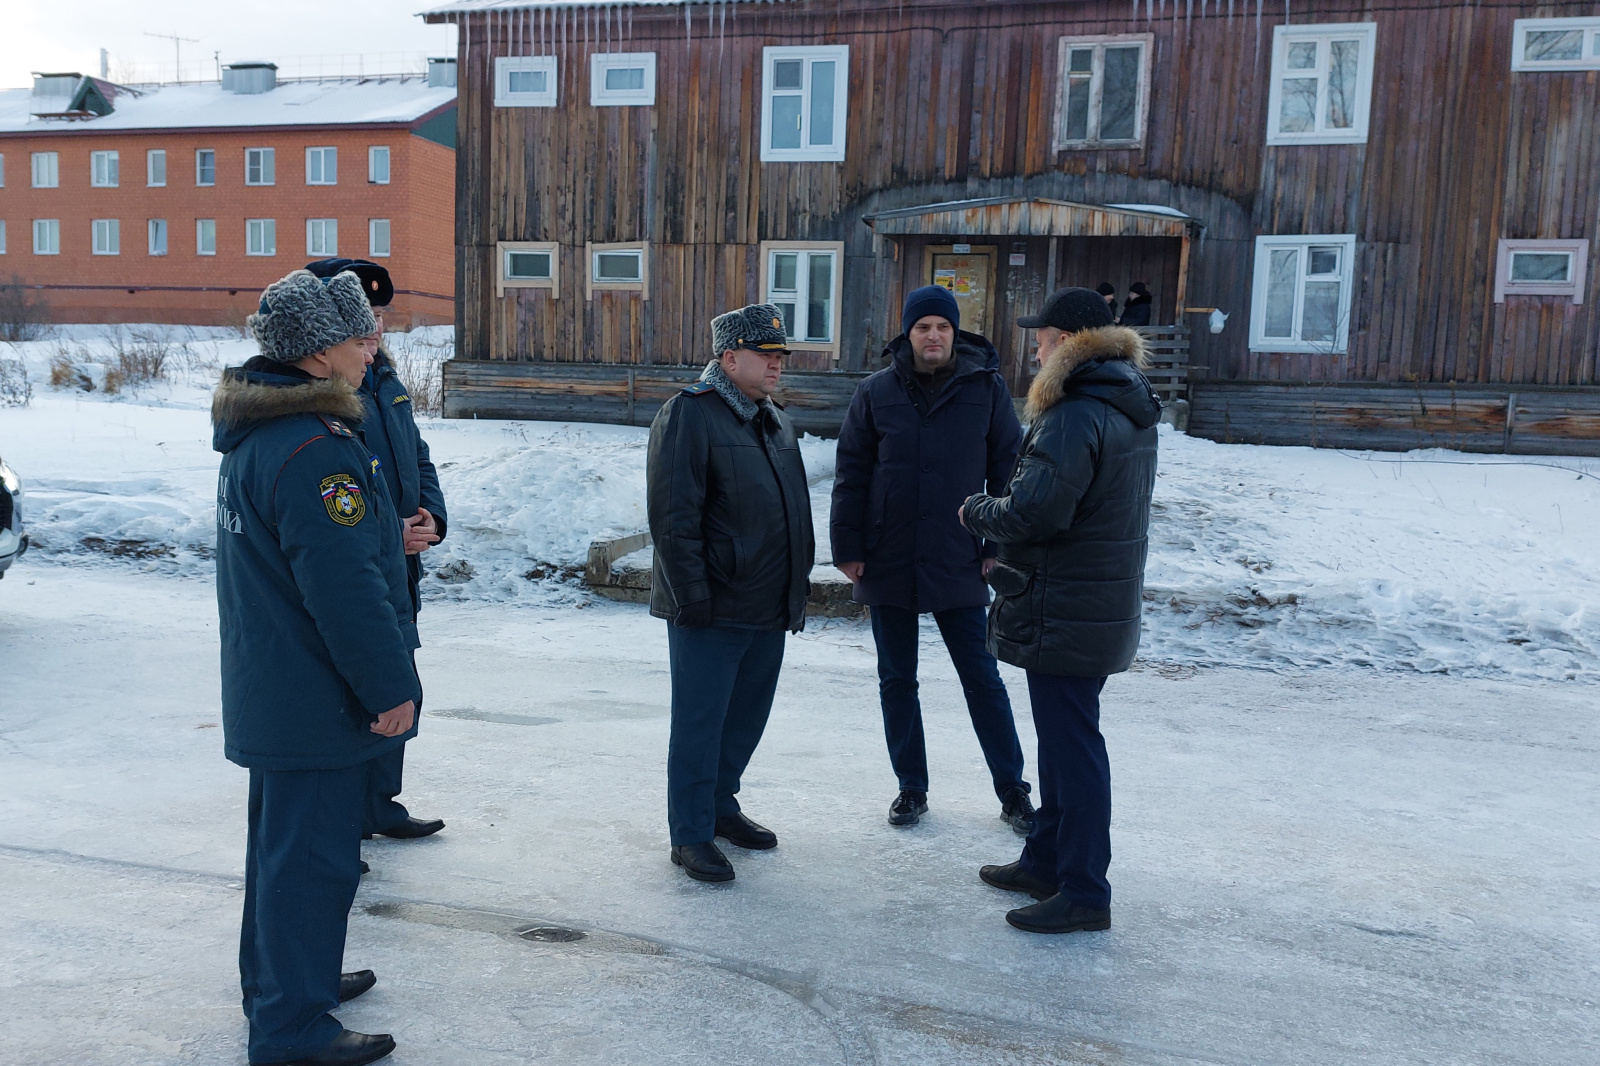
(342, 497)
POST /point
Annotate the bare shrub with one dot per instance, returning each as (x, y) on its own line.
(61, 374)
(420, 364)
(141, 358)
(15, 388)
(23, 315)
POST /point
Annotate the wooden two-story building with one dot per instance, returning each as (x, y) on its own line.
(1393, 204)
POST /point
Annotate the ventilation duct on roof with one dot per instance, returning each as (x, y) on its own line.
(250, 77)
(441, 72)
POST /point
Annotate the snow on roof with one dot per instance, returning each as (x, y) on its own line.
(307, 103)
(1151, 209)
(463, 7)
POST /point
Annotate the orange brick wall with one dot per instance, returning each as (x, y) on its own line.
(419, 201)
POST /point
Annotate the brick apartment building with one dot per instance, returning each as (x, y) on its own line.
(180, 203)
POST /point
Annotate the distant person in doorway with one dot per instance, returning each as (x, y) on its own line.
(1073, 529)
(1136, 311)
(1109, 291)
(921, 435)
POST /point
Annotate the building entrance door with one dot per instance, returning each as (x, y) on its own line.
(967, 270)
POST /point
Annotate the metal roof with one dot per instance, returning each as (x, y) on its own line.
(471, 7)
(1031, 217)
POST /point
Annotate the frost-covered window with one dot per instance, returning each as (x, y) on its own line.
(47, 236)
(528, 265)
(158, 236)
(378, 165)
(46, 170)
(1541, 268)
(804, 103)
(205, 166)
(322, 237)
(1321, 83)
(802, 280)
(1300, 301)
(619, 79)
(1556, 44)
(377, 237)
(260, 236)
(260, 165)
(205, 236)
(525, 81)
(620, 267)
(103, 170)
(322, 166)
(107, 236)
(1103, 94)
(155, 167)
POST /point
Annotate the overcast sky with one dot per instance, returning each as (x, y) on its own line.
(49, 35)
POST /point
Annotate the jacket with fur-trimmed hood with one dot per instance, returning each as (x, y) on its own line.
(1074, 523)
(317, 627)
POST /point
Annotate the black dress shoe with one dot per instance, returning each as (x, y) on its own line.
(1013, 878)
(741, 832)
(412, 828)
(1016, 810)
(1059, 915)
(365, 869)
(352, 985)
(703, 862)
(908, 808)
(349, 1049)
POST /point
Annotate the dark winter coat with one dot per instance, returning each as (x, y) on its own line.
(317, 629)
(1074, 523)
(390, 430)
(730, 513)
(1136, 312)
(905, 464)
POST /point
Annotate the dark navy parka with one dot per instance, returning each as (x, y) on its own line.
(317, 626)
(905, 464)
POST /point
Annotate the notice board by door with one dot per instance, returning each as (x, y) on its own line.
(968, 271)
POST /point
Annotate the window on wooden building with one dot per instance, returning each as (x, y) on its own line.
(1541, 268)
(802, 280)
(1321, 83)
(525, 81)
(322, 166)
(804, 103)
(104, 170)
(205, 236)
(46, 170)
(1556, 44)
(378, 164)
(260, 166)
(528, 265)
(157, 234)
(107, 236)
(155, 167)
(1104, 91)
(260, 236)
(322, 237)
(1300, 301)
(620, 267)
(205, 166)
(622, 79)
(47, 236)
(378, 238)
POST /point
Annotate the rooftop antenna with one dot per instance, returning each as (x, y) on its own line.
(177, 49)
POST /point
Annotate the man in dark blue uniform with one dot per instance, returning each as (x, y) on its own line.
(730, 516)
(390, 430)
(317, 635)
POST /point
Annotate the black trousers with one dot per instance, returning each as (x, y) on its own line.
(1070, 845)
(385, 776)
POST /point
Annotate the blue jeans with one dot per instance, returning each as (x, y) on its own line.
(964, 629)
(1070, 846)
(723, 680)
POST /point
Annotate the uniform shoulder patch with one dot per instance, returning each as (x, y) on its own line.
(402, 398)
(341, 495)
(699, 388)
(336, 427)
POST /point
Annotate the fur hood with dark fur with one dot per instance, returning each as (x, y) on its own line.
(247, 397)
(1120, 354)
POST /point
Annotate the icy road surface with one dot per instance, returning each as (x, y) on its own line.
(1342, 867)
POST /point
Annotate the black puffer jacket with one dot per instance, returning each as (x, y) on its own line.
(1073, 527)
(730, 513)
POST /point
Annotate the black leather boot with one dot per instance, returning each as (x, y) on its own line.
(703, 862)
(1059, 915)
(1016, 810)
(908, 808)
(349, 1049)
(352, 985)
(741, 832)
(1013, 878)
(412, 828)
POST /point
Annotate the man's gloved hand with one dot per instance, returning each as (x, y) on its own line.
(695, 615)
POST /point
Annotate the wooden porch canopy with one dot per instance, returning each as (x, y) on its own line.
(1012, 217)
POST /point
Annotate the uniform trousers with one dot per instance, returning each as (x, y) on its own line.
(1070, 846)
(302, 866)
(964, 629)
(384, 783)
(723, 680)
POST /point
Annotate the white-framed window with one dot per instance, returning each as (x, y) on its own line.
(378, 165)
(528, 265)
(802, 279)
(378, 237)
(322, 237)
(1321, 83)
(47, 236)
(322, 166)
(46, 170)
(2, 236)
(260, 166)
(205, 236)
(155, 167)
(107, 236)
(621, 79)
(804, 102)
(1556, 44)
(1300, 299)
(104, 170)
(157, 228)
(1104, 94)
(205, 166)
(622, 266)
(525, 81)
(260, 236)
(2, 170)
(1541, 268)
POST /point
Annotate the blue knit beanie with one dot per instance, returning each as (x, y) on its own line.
(929, 300)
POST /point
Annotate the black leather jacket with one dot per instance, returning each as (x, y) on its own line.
(1073, 528)
(730, 513)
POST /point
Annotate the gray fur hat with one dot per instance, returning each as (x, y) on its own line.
(302, 314)
(758, 327)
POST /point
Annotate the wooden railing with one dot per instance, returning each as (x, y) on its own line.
(1169, 361)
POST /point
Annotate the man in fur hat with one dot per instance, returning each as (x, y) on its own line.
(1069, 582)
(317, 634)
